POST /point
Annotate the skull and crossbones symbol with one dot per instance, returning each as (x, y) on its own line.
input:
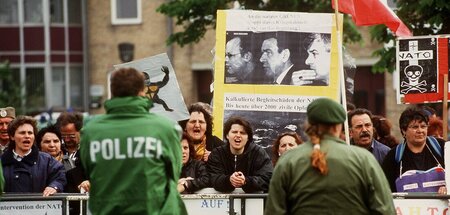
(413, 73)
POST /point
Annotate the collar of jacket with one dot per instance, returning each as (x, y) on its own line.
(8, 157)
(333, 138)
(130, 104)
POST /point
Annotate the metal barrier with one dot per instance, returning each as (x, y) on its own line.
(207, 203)
(243, 197)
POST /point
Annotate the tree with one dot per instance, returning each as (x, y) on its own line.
(10, 93)
(424, 17)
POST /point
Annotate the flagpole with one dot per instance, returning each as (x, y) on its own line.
(341, 71)
(444, 108)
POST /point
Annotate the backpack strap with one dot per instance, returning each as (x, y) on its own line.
(399, 149)
(435, 145)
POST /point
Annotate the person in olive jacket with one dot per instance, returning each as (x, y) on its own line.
(326, 176)
(240, 163)
(132, 156)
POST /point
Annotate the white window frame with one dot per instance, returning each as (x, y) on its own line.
(125, 21)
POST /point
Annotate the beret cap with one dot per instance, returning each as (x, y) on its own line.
(325, 110)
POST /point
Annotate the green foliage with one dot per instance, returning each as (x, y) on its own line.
(197, 16)
(423, 17)
(9, 89)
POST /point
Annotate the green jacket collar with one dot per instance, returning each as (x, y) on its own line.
(333, 138)
(131, 104)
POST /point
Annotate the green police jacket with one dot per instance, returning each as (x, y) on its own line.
(133, 160)
(355, 183)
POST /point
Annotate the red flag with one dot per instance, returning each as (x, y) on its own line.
(373, 12)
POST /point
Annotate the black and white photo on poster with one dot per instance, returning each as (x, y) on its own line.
(418, 67)
(284, 58)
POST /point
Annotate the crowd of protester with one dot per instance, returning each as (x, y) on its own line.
(50, 160)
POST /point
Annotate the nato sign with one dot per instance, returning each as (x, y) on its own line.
(422, 63)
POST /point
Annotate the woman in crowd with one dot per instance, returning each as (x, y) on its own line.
(25, 168)
(382, 131)
(436, 128)
(48, 140)
(199, 128)
(239, 163)
(419, 152)
(193, 174)
(327, 176)
(285, 142)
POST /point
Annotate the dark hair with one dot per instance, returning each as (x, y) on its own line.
(411, 114)
(276, 144)
(186, 137)
(429, 111)
(350, 106)
(66, 118)
(382, 131)
(127, 82)
(197, 107)
(51, 128)
(357, 111)
(16, 123)
(239, 121)
(284, 40)
(325, 38)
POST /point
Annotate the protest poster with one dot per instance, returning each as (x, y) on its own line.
(47, 207)
(161, 86)
(422, 62)
(270, 65)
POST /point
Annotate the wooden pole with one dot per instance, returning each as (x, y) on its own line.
(444, 108)
(341, 71)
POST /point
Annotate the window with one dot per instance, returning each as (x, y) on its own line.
(33, 11)
(76, 86)
(74, 12)
(34, 89)
(56, 11)
(8, 12)
(204, 79)
(58, 87)
(125, 12)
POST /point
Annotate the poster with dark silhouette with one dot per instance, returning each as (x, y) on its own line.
(161, 86)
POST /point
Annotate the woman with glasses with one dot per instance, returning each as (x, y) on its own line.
(418, 152)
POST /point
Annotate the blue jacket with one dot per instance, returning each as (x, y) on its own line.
(33, 174)
(379, 150)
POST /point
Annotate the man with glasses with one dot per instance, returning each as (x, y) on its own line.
(7, 114)
(361, 133)
(70, 124)
(420, 152)
(239, 61)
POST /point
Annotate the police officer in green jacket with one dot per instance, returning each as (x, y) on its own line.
(327, 176)
(132, 157)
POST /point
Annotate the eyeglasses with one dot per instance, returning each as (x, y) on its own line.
(229, 55)
(68, 136)
(416, 127)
